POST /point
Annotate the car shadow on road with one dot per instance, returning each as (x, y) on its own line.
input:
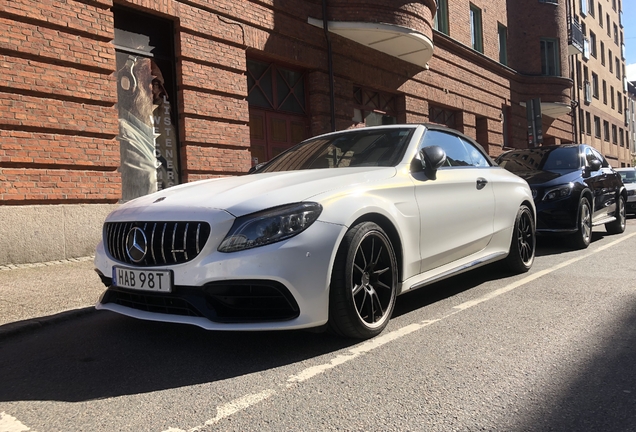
(104, 355)
(554, 245)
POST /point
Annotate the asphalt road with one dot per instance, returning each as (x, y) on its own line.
(551, 350)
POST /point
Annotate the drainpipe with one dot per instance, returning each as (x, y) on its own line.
(332, 96)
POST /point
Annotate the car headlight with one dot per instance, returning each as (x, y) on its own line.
(270, 226)
(631, 192)
(558, 192)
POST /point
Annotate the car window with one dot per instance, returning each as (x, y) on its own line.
(600, 157)
(457, 154)
(628, 176)
(364, 147)
(478, 158)
(590, 156)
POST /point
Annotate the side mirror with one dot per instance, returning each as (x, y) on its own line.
(595, 165)
(432, 158)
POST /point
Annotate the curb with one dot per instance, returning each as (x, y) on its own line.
(20, 327)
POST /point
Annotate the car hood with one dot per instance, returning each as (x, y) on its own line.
(548, 178)
(249, 193)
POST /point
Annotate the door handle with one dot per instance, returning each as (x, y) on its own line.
(481, 183)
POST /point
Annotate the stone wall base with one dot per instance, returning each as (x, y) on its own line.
(41, 233)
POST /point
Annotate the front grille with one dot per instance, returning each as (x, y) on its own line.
(166, 243)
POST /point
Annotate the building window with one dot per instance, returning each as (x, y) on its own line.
(442, 116)
(600, 15)
(146, 89)
(604, 92)
(588, 123)
(476, 34)
(618, 67)
(578, 74)
(594, 85)
(606, 133)
(607, 21)
(621, 138)
(441, 16)
(592, 43)
(615, 34)
(610, 60)
(583, 7)
(590, 7)
(620, 101)
(614, 135)
(597, 126)
(612, 97)
(374, 108)
(603, 53)
(582, 121)
(549, 57)
(277, 109)
(503, 44)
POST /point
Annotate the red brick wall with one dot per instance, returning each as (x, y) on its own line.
(58, 118)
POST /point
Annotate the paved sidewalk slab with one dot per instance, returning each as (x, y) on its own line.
(34, 294)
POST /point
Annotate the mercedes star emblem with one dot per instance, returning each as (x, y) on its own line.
(136, 244)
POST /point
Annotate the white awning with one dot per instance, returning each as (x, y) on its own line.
(401, 42)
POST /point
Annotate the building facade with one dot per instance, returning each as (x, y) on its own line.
(106, 100)
(630, 119)
(600, 82)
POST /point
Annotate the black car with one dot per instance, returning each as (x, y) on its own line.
(574, 189)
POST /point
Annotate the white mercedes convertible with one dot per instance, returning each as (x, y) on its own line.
(325, 235)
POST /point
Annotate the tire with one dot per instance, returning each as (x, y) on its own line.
(583, 235)
(523, 243)
(618, 226)
(364, 283)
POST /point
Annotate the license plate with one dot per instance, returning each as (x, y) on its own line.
(145, 280)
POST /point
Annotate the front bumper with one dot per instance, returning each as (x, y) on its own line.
(284, 285)
(560, 216)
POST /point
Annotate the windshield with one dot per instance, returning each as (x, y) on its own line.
(628, 176)
(375, 148)
(548, 159)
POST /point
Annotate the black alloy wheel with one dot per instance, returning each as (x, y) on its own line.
(583, 235)
(364, 283)
(618, 226)
(523, 243)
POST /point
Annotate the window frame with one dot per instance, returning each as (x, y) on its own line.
(476, 28)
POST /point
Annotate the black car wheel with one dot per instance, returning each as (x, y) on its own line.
(583, 235)
(363, 283)
(522, 245)
(618, 226)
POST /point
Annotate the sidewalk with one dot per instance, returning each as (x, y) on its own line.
(32, 295)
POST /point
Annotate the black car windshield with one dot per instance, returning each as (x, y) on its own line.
(628, 176)
(547, 159)
(364, 147)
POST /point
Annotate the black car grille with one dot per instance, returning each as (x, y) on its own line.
(166, 243)
(224, 302)
(151, 302)
(238, 301)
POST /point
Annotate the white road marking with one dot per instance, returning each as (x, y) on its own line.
(11, 424)
(244, 402)
(537, 275)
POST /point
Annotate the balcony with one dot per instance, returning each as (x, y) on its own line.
(576, 41)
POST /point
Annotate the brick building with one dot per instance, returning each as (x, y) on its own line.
(102, 101)
(600, 82)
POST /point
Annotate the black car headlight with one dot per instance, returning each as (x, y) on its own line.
(558, 192)
(270, 226)
(631, 192)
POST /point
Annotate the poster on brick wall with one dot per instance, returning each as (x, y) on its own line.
(147, 136)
